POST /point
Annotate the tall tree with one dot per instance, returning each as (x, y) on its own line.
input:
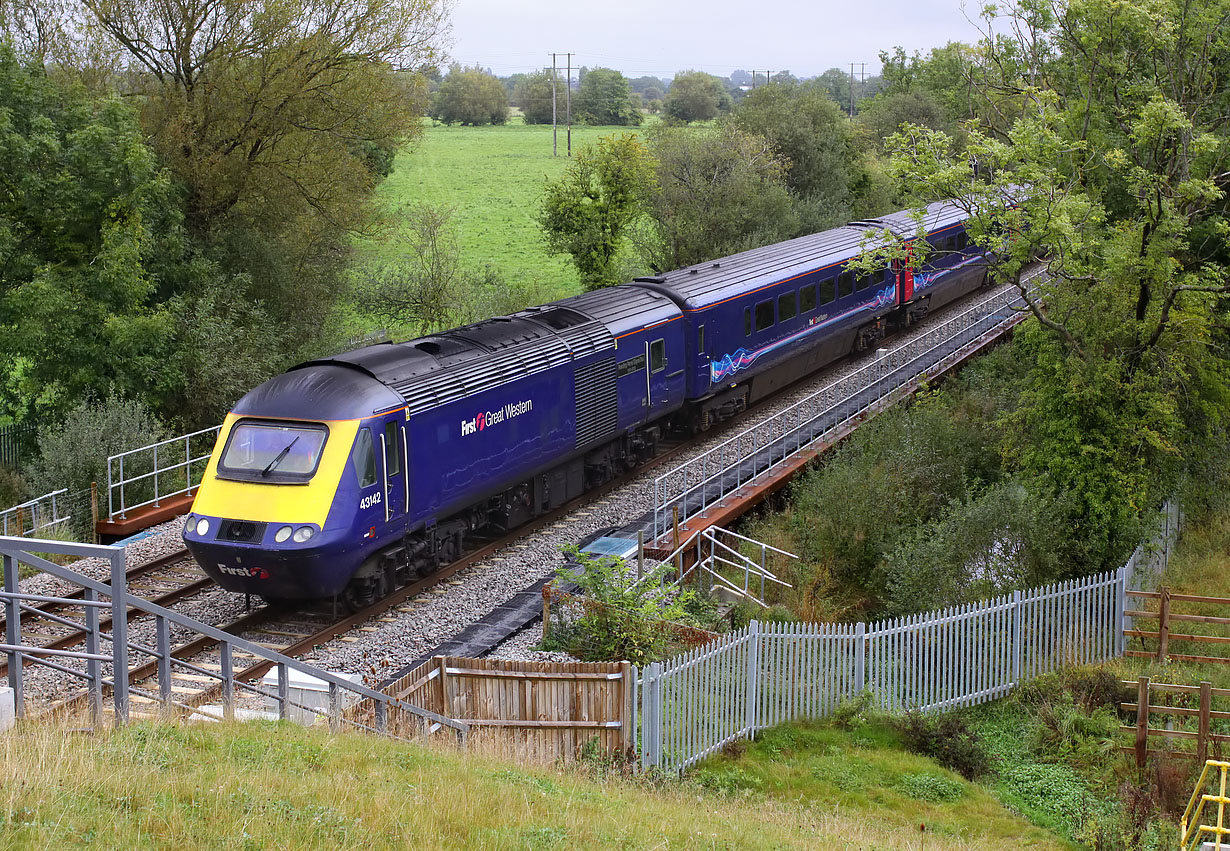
(604, 97)
(470, 96)
(588, 212)
(86, 218)
(696, 96)
(1109, 155)
(534, 95)
(814, 136)
(719, 190)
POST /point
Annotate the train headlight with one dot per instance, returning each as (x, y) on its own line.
(303, 534)
(282, 534)
(202, 527)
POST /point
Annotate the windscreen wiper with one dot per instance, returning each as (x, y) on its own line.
(277, 459)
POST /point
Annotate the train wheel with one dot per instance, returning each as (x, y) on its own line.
(360, 592)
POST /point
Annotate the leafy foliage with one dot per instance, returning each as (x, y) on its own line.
(604, 97)
(534, 93)
(696, 96)
(587, 212)
(719, 190)
(948, 739)
(470, 96)
(74, 452)
(626, 622)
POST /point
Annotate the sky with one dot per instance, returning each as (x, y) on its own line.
(658, 38)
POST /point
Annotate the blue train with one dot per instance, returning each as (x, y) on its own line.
(347, 476)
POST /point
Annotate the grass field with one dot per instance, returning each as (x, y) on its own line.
(493, 177)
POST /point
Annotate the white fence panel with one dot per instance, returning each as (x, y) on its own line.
(766, 674)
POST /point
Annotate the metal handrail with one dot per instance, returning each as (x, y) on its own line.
(21, 550)
(116, 479)
(1190, 828)
(789, 424)
(36, 506)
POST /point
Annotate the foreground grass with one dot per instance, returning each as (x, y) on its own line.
(494, 178)
(279, 786)
(865, 771)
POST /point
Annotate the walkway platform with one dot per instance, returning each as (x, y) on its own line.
(144, 517)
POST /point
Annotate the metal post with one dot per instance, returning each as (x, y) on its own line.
(93, 668)
(228, 683)
(751, 717)
(123, 501)
(640, 554)
(283, 691)
(12, 632)
(119, 636)
(1121, 618)
(860, 658)
(1018, 638)
(382, 716)
(335, 709)
(164, 662)
(157, 503)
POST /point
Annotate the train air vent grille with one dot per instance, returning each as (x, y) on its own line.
(241, 531)
(596, 402)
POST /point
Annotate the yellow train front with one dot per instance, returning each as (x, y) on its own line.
(294, 498)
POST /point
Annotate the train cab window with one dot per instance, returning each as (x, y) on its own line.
(764, 315)
(392, 448)
(364, 456)
(747, 322)
(828, 291)
(700, 340)
(845, 284)
(264, 451)
(786, 306)
(657, 356)
(807, 299)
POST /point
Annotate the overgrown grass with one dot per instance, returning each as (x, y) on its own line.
(864, 771)
(278, 786)
(494, 178)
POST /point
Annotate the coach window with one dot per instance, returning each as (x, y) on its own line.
(828, 291)
(764, 315)
(862, 282)
(392, 446)
(786, 306)
(747, 322)
(657, 356)
(365, 458)
(962, 241)
(845, 284)
(700, 339)
(807, 299)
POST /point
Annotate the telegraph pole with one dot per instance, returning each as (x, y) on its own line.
(554, 127)
(568, 101)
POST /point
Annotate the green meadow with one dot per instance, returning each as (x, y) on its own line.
(493, 178)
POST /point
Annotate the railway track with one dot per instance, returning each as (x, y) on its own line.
(298, 632)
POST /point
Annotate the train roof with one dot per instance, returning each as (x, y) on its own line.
(937, 216)
(707, 284)
(434, 370)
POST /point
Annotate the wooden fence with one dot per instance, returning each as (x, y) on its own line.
(1170, 694)
(1166, 616)
(534, 711)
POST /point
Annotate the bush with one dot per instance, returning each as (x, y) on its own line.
(73, 453)
(13, 488)
(946, 738)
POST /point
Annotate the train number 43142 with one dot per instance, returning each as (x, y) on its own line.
(369, 501)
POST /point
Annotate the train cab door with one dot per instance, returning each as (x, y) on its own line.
(395, 481)
(664, 375)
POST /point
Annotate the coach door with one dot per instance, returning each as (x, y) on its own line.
(393, 454)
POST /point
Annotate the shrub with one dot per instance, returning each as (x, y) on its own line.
(73, 453)
(948, 739)
(13, 488)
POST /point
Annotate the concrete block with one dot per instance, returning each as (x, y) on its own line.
(8, 709)
(304, 693)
